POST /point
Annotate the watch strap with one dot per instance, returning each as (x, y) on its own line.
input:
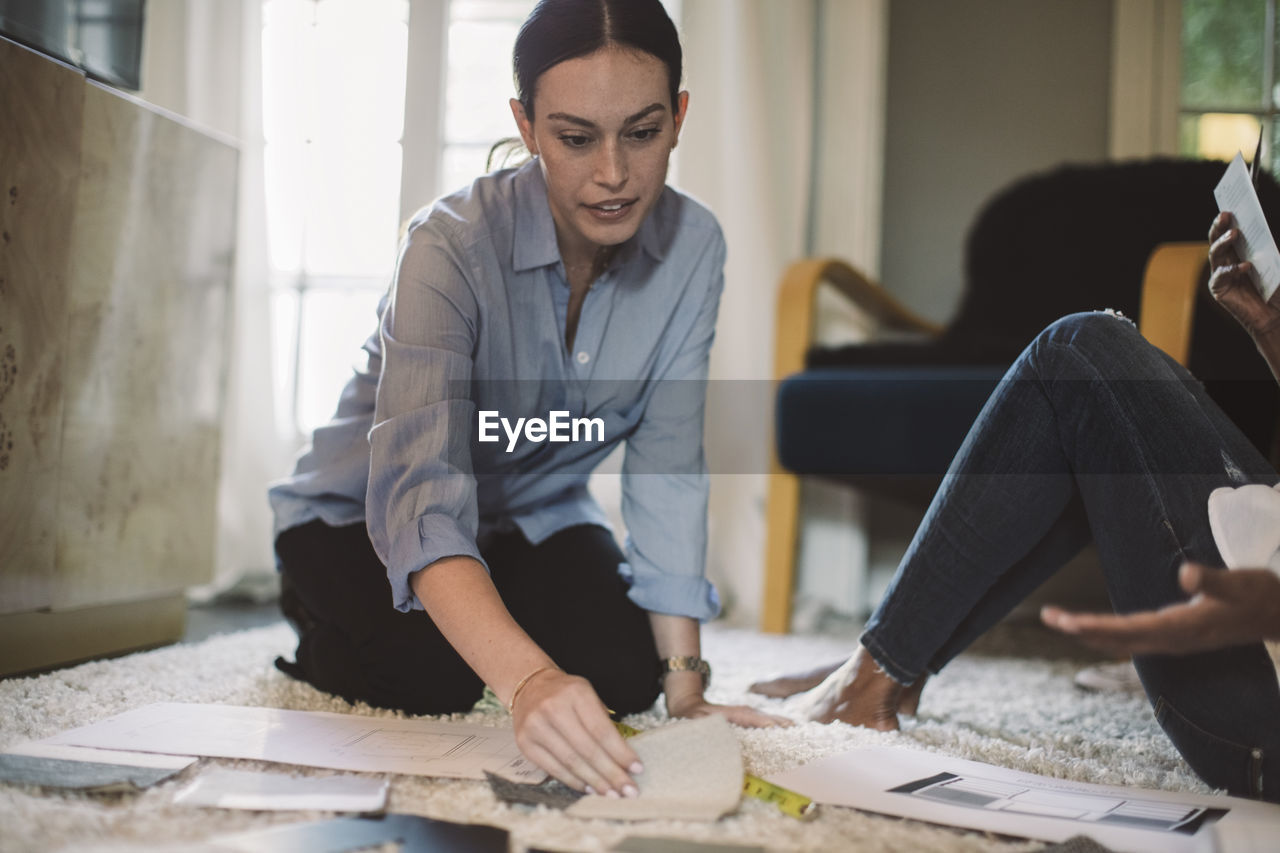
(687, 663)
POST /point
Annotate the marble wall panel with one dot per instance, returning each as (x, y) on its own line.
(147, 335)
(40, 118)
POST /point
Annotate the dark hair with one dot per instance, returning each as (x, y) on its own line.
(557, 30)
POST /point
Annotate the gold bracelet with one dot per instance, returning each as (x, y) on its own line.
(515, 694)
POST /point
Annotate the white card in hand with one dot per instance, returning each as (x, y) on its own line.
(1235, 193)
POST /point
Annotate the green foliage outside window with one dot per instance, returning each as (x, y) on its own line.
(1222, 54)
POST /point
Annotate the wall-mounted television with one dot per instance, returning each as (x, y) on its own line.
(103, 37)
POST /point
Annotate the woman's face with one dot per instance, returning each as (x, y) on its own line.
(603, 131)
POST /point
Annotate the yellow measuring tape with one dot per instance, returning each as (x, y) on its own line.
(788, 802)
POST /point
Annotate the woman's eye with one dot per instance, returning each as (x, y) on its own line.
(574, 141)
(644, 134)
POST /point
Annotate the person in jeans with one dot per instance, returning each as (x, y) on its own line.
(1096, 434)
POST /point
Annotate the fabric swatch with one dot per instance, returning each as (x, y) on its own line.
(692, 771)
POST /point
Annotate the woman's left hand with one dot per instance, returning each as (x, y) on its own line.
(1228, 607)
(739, 715)
(1232, 286)
(688, 701)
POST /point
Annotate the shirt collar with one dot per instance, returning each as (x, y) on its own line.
(535, 230)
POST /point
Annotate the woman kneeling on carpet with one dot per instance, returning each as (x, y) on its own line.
(1094, 433)
(537, 319)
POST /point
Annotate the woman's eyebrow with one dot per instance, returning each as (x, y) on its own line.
(582, 122)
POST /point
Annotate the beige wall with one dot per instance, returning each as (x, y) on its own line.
(979, 93)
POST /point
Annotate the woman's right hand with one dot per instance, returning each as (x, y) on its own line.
(1232, 286)
(562, 726)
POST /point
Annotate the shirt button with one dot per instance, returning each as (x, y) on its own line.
(583, 358)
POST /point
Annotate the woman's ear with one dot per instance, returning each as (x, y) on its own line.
(682, 107)
(525, 125)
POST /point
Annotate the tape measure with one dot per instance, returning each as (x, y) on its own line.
(788, 802)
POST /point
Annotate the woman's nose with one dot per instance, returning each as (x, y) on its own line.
(611, 166)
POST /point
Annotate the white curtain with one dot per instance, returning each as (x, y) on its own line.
(784, 144)
(255, 448)
(203, 61)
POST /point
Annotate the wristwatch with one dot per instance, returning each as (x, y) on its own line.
(687, 663)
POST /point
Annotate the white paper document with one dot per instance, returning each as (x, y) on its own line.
(1236, 194)
(246, 789)
(312, 739)
(45, 749)
(952, 791)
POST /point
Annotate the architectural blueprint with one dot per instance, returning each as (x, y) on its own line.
(417, 747)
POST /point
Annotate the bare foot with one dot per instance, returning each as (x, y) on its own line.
(910, 701)
(796, 682)
(858, 693)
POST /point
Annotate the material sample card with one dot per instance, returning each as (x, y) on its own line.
(952, 791)
(420, 747)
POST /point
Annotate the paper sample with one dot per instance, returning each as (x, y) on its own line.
(551, 793)
(86, 776)
(955, 792)
(1235, 193)
(223, 788)
(44, 749)
(692, 771)
(421, 747)
(411, 833)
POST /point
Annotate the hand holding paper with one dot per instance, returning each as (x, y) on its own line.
(1235, 193)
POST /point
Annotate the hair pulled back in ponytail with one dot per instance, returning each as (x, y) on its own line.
(557, 30)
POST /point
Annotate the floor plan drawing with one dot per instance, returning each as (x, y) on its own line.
(418, 747)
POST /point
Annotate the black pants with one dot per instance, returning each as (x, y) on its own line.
(565, 593)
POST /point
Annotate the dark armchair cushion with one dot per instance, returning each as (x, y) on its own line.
(1077, 238)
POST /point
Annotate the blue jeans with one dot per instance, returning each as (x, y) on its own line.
(1092, 434)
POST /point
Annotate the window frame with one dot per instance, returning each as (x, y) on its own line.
(1268, 111)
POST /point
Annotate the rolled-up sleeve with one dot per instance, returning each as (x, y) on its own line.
(665, 485)
(421, 500)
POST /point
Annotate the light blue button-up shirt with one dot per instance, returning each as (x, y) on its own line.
(474, 323)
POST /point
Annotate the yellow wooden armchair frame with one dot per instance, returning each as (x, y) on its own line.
(1174, 272)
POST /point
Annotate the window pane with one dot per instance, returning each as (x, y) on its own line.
(288, 70)
(490, 10)
(1273, 150)
(335, 323)
(363, 47)
(352, 216)
(464, 163)
(284, 342)
(479, 86)
(1218, 136)
(285, 187)
(1222, 44)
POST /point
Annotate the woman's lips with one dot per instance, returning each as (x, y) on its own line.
(612, 210)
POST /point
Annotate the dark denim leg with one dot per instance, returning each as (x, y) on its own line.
(1146, 488)
(993, 532)
(1092, 413)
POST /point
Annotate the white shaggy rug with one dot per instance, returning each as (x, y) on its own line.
(1019, 713)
